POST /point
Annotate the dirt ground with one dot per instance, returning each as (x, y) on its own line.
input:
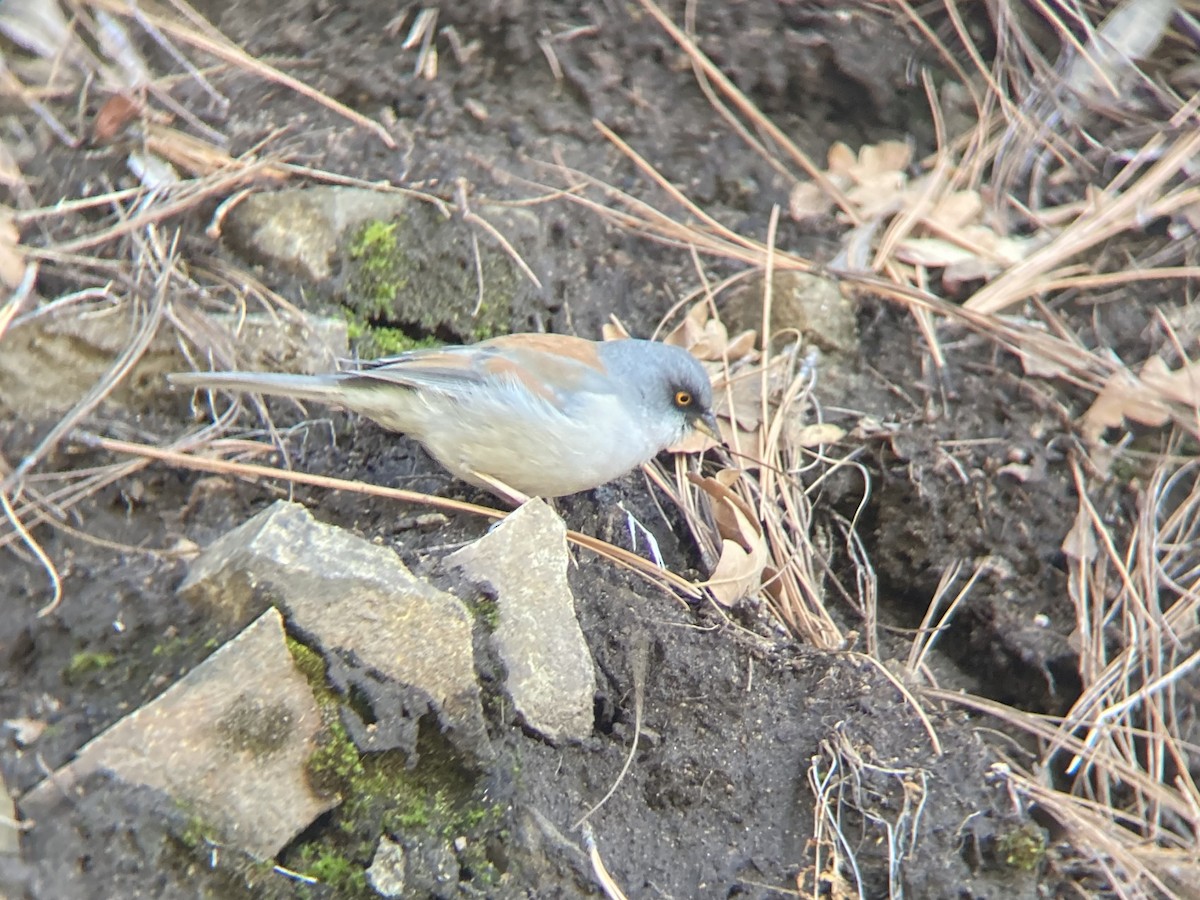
(737, 718)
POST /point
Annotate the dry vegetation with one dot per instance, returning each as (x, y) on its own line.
(1109, 130)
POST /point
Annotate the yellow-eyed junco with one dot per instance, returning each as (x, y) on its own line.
(545, 414)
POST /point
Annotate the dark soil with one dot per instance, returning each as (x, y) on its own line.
(718, 801)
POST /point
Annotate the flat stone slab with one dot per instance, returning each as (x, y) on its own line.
(550, 674)
(71, 352)
(300, 229)
(229, 740)
(402, 642)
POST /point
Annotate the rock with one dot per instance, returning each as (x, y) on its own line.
(72, 352)
(386, 874)
(550, 675)
(432, 869)
(301, 229)
(541, 854)
(229, 740)
(810, 305)
(396, 262)
(405, 644)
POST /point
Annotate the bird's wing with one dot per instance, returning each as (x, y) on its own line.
(548, 366)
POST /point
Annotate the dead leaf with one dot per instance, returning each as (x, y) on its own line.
(739, 570)
(807, 200)
(1033, 361)
(1145, 398)
(815, 434)
(1181, 385)
(956, 210)
(742, 346)
(841, 159)
(957, 276)
(1080, 542)
(114, 117)
(741, 439)
(738, 573)
(932, 252)
(886, 156)
(691, 329)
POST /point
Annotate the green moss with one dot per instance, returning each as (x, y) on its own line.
(197, 834)
(86, 663)
(379, 275)
(1023, 848)
(171, 647)
(230, 873)
(336, 765)
(415, 275)
(487, 611)
(312, 666)
(374, 341)
(185, 648)
(434, 800)
(393, 341)
(347, 877)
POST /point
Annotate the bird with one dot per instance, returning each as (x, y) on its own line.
(542, 415)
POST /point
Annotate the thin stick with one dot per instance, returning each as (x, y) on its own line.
(661, 577)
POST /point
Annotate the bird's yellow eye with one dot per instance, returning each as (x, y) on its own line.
(683, 398)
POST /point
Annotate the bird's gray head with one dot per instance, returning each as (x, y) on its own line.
(674, 394)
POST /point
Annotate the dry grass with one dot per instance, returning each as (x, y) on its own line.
(130, 264)
(1128, 803)
(844, 782)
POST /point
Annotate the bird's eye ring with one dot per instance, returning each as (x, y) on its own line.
(683, 398)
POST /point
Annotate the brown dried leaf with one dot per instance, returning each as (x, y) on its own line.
(742, 346)
(707, 338)
(1181, 385)
(1144, 399)
(841, 159)
(725, 501)
(114, 117)
(740, 398)
(814, 435)
(739, 570)
(1080, 542)
(712, 343)
(807, 200)
(956, 210)
(932, 252)
(738, 573)
(691, 329)
(1039, 364)
(886, 156)
(957, 276)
